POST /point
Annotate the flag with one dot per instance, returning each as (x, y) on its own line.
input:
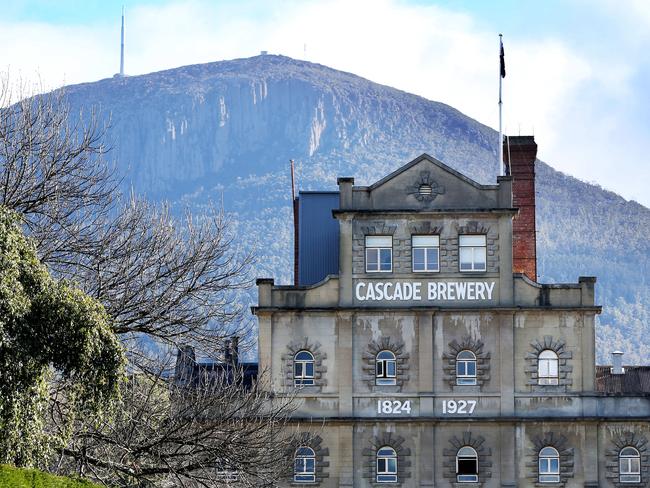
(502, 58)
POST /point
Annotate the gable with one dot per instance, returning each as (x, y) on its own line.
(426, 183)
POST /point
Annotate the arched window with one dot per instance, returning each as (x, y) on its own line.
(386, 465)
(629, 465)
(547, 371)
(304, 470)
(303, 369)
(385, 368)
(549, 465)
(466, 465)
(466, 368)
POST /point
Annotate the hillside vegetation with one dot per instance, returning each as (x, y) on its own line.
(226, 130)
(11, 477)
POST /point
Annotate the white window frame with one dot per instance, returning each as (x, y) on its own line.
(302, 378)
(386, 475)
(301, 471)
(548, 368)
(546, 473)
(627, 473)
(465, 378)
(469, 243)
(383, 375)
(466, 452)
(376, 245)
(430, 244)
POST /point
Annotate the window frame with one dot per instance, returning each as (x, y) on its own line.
(630, 475)
(384, 377)
(548, 378)
(548, 474)
(426, 248)
(465, 378)
(387, 475)
(473, 249)
(305, 475)
(377, 248)
(467, 478)
(304, 379)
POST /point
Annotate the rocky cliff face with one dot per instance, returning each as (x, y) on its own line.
(227, 130)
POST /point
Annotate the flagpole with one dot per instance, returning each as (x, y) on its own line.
(500, 162)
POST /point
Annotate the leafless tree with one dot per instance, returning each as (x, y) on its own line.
(209, 430)
(165, 281)
(53, 172)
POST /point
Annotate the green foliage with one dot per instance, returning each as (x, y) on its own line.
(31, 478)
(48, 331)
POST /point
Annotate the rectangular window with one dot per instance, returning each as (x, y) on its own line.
(472, 252)
(379, 254)
(425, 253)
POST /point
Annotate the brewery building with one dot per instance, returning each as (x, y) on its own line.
(424, 353)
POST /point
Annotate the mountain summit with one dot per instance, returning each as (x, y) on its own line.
(227, 130)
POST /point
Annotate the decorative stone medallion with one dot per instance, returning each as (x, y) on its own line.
(425, 189)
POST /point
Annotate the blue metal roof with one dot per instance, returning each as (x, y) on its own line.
(318, 241)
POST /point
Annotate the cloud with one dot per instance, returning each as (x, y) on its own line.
(574, 99)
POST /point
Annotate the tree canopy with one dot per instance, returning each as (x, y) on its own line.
(48, 328)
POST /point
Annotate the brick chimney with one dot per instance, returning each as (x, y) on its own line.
(519, 154)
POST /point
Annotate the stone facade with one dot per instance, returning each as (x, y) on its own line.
(500, 314)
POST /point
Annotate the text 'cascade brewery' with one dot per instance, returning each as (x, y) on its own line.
(421, 291)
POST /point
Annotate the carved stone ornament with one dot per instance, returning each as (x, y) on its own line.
(401, 364)
(557, 441)
(484, 458)
(620, 441)
(425, 189)
(314, 442)
(564, 367)
(387, 439)
(482, 360)
(319, 368)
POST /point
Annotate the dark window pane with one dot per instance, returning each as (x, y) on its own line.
(471, 368)
(310, 369)
(391, 368)
(386, 261)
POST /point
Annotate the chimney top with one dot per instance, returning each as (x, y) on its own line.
(617, 362)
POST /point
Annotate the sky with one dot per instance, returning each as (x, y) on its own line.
(578, 71)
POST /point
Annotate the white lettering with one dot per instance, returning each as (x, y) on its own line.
(408, 291)
(470, 290)
(490, 287)
(416, 291)
(460, 290)
(397, 295)
(480, 288)
(451, 289)
(387, 288)
(436, 290)
(370, 294)
(379, 290)
(360, 297)
(442, 291)
(432, 291)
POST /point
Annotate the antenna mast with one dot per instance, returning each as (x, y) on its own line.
(122, 46)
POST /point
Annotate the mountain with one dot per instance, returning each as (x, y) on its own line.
(226, 130)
